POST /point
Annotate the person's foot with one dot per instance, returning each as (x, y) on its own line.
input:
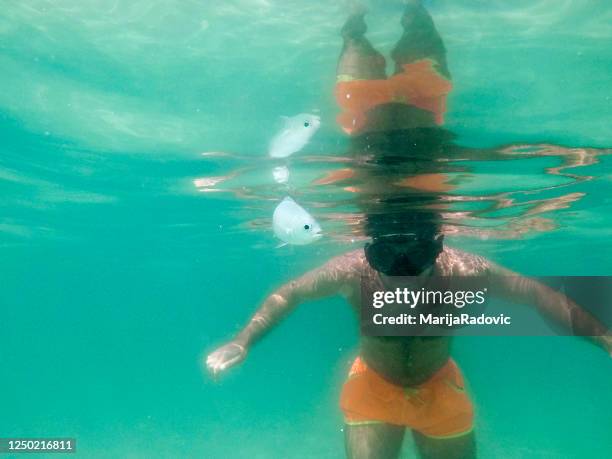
(356, 7)
(355, 25)
(414, 12)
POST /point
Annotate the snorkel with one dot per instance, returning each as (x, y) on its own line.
(403, 254)
(406, 234)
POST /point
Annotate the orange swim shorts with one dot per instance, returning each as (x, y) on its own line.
(419, 84)
(438, 408)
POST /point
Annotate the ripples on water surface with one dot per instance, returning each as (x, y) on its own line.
(502, 193)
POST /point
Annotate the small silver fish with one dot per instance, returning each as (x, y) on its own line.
(292, 224)
(281, 174)
(295, 134)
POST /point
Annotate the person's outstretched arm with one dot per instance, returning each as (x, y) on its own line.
(551, 304)
(331, 278)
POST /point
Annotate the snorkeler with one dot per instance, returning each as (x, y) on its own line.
(404, 382)
(400, 382)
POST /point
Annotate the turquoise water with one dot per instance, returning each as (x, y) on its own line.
(118, 274)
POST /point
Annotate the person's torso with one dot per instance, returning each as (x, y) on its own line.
(408, 360)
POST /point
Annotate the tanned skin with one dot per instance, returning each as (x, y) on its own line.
(404, 361)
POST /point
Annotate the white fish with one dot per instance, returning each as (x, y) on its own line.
(293, 224)
(295, 134)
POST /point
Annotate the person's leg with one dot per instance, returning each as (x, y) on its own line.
(373, 441)
(421, 82)
(358, 58)
(420, 40)
(462, 447)
(361, 83)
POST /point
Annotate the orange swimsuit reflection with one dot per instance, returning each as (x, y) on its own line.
(419, 85)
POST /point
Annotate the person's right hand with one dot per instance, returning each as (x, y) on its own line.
(225, 357)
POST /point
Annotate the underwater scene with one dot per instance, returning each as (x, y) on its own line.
(196, 195)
